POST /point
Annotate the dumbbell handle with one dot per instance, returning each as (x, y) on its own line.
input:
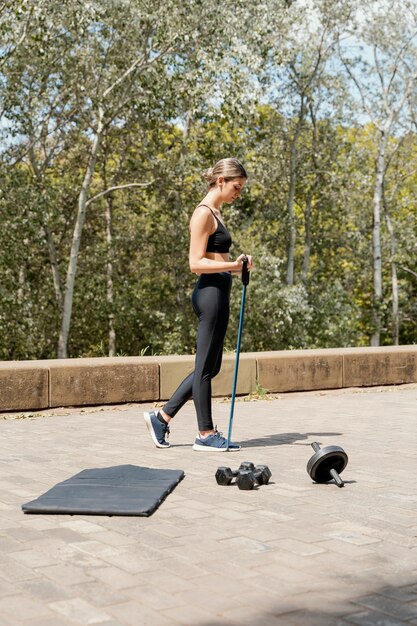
(256, 473)
(339, 482)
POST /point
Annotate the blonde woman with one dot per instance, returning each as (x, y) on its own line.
(210, 242)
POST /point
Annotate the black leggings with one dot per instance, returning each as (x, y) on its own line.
(210, 301)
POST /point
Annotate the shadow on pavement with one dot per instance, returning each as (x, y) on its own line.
(282, 439)
(386, 606)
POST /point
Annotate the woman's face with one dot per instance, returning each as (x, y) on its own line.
(232, 189)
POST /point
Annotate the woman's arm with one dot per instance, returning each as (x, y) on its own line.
(200, 226)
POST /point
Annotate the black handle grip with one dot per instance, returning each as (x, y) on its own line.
(245, 272)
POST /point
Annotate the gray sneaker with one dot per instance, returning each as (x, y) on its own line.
(214, 443)
(158, 430)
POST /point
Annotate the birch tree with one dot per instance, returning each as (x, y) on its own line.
(297, 74)
(381, 61)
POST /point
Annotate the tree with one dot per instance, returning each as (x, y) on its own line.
(384, 71)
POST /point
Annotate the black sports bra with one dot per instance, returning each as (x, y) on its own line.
(220, 240)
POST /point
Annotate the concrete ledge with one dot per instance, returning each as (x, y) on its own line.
(28, 385)
(391, 365)
(173, 369)
(103, 381)
(246, 380)
(300, 370)
(24, 385)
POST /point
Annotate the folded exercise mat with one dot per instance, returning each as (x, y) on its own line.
(119, 490)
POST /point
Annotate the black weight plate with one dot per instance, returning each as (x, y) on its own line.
(320, 464)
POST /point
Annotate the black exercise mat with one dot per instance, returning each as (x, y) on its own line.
(119, 490)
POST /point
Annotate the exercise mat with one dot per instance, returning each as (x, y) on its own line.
(119, 490)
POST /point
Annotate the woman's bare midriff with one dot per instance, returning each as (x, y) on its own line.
(217, 256)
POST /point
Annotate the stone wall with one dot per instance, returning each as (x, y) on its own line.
(28, 385)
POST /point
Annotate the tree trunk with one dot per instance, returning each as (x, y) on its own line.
(310, 195)
(53, 259)
(110, 291)
(291, 195)
(394, 278)
(395, 305)
(54, 266)
(307, 236)
(21, 283)
(76, 241)
(376, 240)
(291, 216)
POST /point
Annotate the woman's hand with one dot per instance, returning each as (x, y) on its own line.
(240, 259)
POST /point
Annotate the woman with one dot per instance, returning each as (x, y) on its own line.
(209, 258)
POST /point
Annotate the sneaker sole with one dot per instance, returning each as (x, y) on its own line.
(199, 448)
(147, 418)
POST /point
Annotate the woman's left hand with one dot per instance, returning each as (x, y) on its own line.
(250, 261)
(240, 260)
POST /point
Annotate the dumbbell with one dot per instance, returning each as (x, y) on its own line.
(327, 463)
(225, 475)
(260, 475)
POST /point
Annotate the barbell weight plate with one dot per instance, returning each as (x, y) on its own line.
(325, 459)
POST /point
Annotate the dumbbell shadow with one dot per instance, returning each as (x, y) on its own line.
(247, 477)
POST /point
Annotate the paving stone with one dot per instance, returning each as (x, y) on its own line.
(44, 590)
(79, 611)
(51, 621)
(312, 618)
(403, 594)
(344, 548)
(132, 562)
(400, 610)
(250, 616)
(24, 534)
(112, 576)
(246, 543)
(9, 544)
(83, 526)
(32, 558)
(118, 539)
(67, 535)
(99, 594)
(158, 598)
(300, 548)
(39, 522)
(98, 549)
(68, 573)
(22, 607)
(135, 614)
(368, 618)
(164, 580)
(6, 588)
(14, 572)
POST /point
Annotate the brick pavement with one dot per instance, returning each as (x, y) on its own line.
(288, 554)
